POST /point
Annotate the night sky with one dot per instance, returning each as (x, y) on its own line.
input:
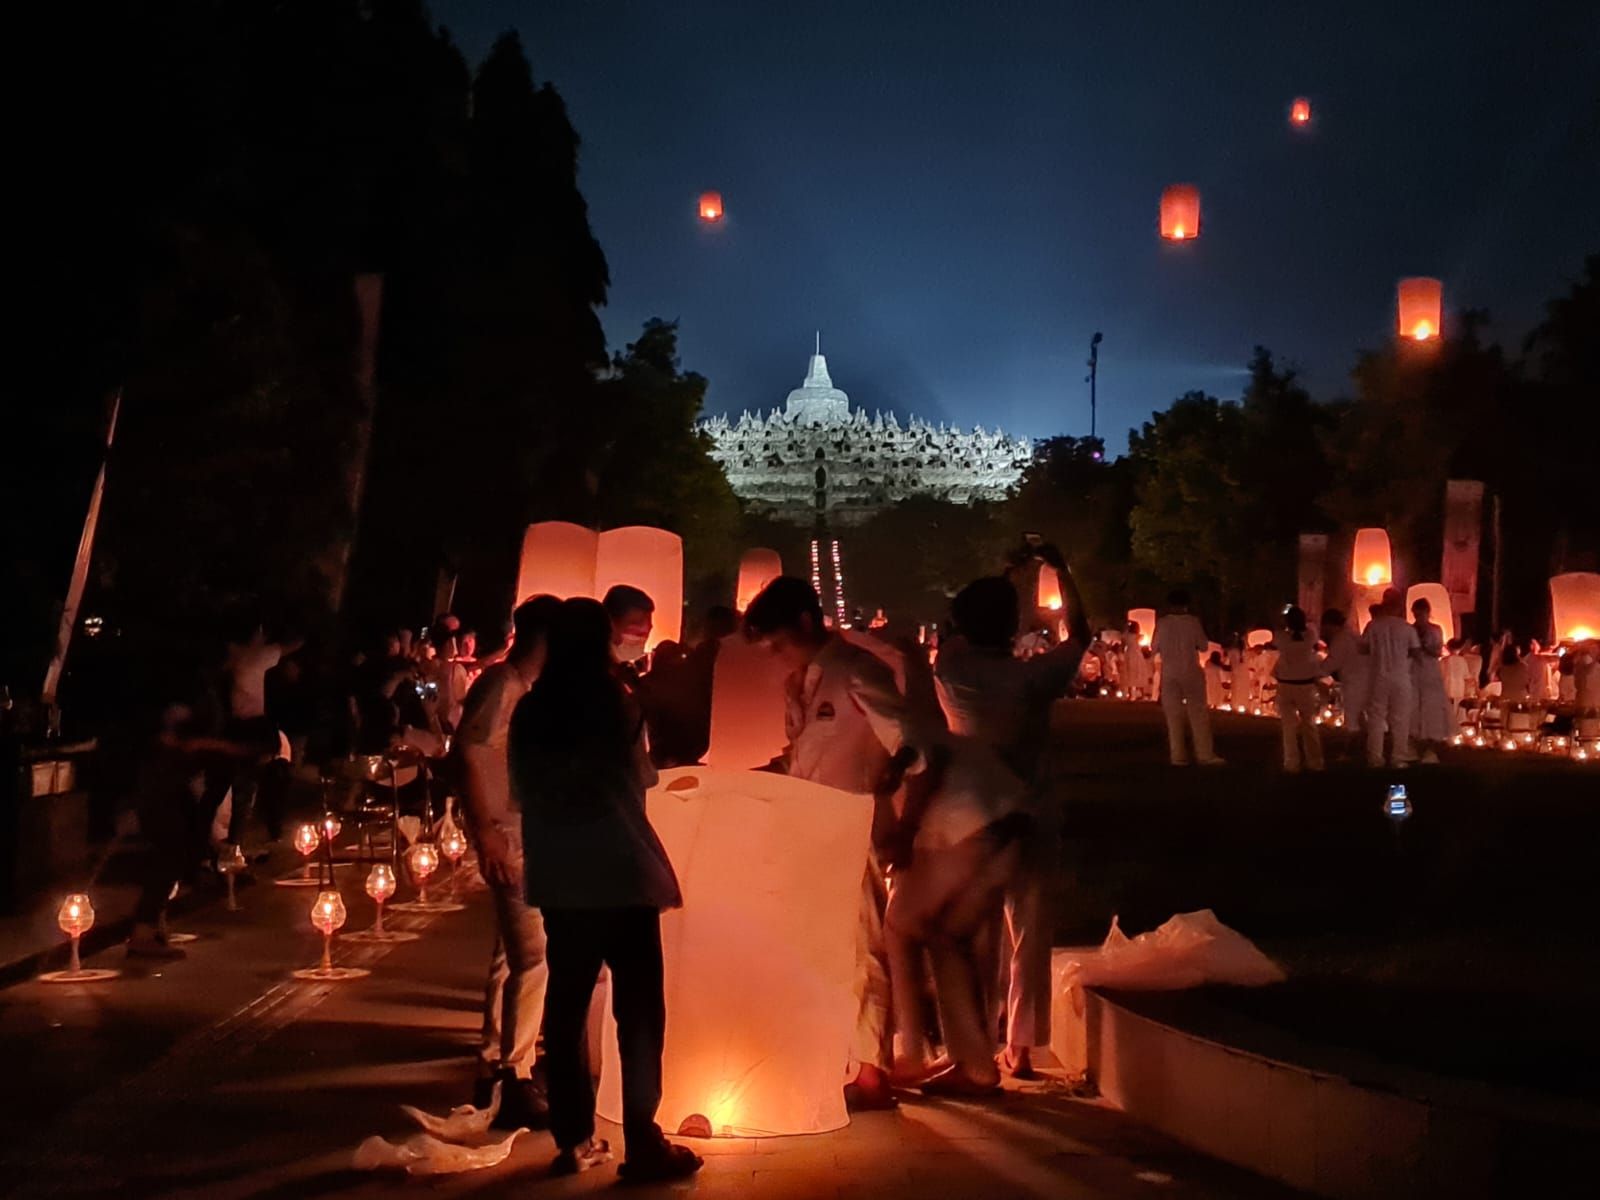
(959, 194)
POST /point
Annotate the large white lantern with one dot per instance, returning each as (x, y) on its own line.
(760, 960)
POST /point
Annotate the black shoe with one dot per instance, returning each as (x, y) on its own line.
(483, 1091)
(522, 1105)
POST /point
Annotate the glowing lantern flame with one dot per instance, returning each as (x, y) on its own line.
(1575, 605)
(424, 860)
(1180, 212)
(1145, 618)
(306, 839)
(1419, 305)
(330, 826)
(1050, 589)
(1300, 111)
(453, 845)
(381, 882)
(711, 207)
(757, 568)
(76, 916)
(1372, 563)
(327, 912)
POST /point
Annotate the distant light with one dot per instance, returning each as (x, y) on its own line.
(1419, 307)
(1180, 212)
(711, 207)
(1300, 111)
(1422, 331)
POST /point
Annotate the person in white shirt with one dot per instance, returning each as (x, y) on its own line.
(1139, 672)
(1435, 721)
(1456, 668)
(1216, 692)
(1391, 644)
(513, 1003)
(849, 728)
(1180, 640)
(1298, 667)
(1004, 702)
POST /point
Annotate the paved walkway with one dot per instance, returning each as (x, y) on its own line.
(217, 1077)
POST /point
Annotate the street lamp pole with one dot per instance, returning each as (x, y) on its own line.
(1094, 369)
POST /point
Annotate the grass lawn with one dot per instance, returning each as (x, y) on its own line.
(1466, 945)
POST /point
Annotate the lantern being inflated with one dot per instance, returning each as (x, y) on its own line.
(1180, 212)
(1145, 619)
(757, 568)
(1419, 304)
(711, 207)
(1372, 565)
(1049, 595)
(1438, 606)
(1575, 606)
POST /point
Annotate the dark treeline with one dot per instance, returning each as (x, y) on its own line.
(221, 182)
(1214, 493)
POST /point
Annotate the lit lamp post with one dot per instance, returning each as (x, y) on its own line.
(327, 914)
(76, 918)
(381, 884)
(307, 838)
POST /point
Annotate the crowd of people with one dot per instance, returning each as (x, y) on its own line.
(550, 742)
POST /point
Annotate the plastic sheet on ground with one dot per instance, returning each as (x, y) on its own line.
(760, 960)
(448, 1145)
(1190, 950)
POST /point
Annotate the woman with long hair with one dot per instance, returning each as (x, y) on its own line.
(598, 873)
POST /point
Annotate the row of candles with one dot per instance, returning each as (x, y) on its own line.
(76, 915)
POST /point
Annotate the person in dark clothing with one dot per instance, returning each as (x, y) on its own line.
(191, 744)
(599, 875)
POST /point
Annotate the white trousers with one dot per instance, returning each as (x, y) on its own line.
(1180, 692)
(1390, 706)
(1298, 705)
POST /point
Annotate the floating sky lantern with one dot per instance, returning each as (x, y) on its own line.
(1180, 212)
(1419, 306)
(1300, 112)
(1049, 594)
(651, 560)
(1145, 618)
(1371, 565)
(1439, 604)
(711, 207)
(1575, 606)
(757, 568)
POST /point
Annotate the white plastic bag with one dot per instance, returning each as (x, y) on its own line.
(1187, 951)
(459, 1141)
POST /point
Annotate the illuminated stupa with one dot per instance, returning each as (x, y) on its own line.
(817, 462)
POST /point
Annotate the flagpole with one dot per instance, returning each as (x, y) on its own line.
(80, 575)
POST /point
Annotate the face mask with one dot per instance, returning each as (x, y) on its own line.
(630, 650)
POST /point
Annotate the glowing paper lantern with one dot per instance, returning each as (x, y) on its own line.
(1050, 589)
(1371, 564)
(1438, 601)
(306, 840)
(1146, 619)
(327, 916)
(1300, 112)
(1419, 306)
(757, 568)
(651, 560)
(1258, 637)
(747, 706)
(558, 559)
(760, 960)
(75, 917)
(1180, 212)
(1575, 606)
(711, 207)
